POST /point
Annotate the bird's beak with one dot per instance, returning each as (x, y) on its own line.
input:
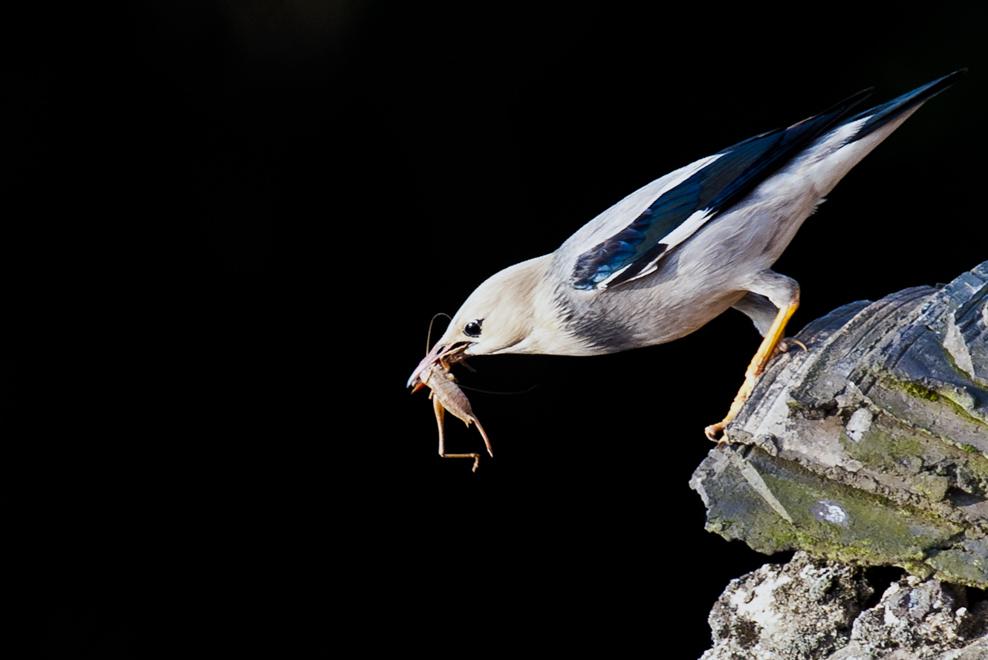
(440, 353)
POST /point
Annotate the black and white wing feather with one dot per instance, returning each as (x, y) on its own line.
(686, 200)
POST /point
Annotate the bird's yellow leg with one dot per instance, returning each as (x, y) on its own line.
(755, 368)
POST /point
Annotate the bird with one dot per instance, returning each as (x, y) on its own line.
(680, 251)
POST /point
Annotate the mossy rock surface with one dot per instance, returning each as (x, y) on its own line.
(872, 446)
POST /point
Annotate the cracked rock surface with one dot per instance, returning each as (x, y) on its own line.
(872, 446)
(816, 610)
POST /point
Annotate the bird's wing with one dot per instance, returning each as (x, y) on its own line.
(695, 197)
(641, 229)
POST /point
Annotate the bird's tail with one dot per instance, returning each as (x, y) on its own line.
(881, 115)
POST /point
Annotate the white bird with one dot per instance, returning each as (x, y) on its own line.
(679, 251)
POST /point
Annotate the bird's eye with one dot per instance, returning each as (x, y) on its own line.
(472, 329)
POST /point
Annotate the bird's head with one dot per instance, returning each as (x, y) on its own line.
(499, 317)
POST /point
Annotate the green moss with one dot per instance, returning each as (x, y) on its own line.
(783, 537)
(882, 451)
(964, 563)
(920, 569)
(963, 413)
(878, 531)
(918, 391)
(912, 446)
(933, 486)
(820, 539)
(975, 460)
(953, 364)
(892, 452)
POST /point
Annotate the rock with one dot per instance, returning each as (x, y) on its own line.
(917, 619)
(803, 609)
(872, 446)
(811, 609)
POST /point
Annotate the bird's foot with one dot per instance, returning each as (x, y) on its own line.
(714, 431)
(768, 348)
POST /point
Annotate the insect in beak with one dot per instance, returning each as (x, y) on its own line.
(433, 372)
(445, 356)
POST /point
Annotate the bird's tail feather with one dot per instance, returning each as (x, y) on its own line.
(881, 115)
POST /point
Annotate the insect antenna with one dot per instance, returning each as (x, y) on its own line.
(428, 335)
(475, 389)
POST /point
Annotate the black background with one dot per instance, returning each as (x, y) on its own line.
(227, 226)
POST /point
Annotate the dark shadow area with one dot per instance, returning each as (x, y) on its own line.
(975, 596)
(880, 578)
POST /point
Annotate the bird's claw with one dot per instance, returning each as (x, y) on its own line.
(786, 343)
(714, 431)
